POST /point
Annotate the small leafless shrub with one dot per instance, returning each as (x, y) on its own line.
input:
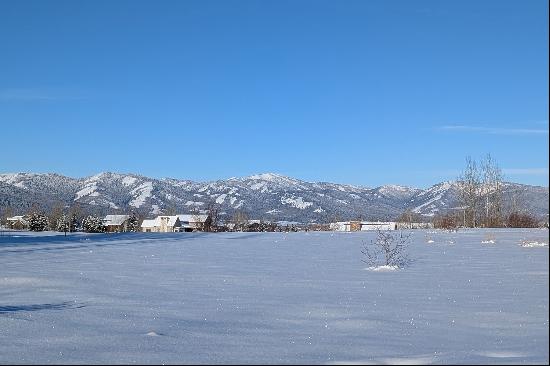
(489, 238)
(388, 249)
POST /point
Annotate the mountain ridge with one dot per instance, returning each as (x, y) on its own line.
(267, 196)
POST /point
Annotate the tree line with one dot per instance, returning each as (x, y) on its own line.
(67, 219)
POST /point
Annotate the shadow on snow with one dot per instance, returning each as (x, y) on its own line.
(37, 307)
(29, 244)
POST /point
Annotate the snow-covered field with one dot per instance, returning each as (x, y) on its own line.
(472, 296)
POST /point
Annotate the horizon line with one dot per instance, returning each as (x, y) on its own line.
(520, 172)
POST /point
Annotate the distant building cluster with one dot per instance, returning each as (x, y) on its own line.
(377, 225)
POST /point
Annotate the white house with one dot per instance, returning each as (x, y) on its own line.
(116, 223)
(149, 226)
(161, 224)
(192, 222)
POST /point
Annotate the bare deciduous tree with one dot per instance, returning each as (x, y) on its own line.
(492, 192)
(57, 212)
(446, 222)
(407, 218)
(6, 212)
(239, 220)
(389, 249)
(468, 185)
(211, 223)
(76, 212)
(480, 193)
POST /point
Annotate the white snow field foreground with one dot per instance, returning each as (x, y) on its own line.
(272, 298)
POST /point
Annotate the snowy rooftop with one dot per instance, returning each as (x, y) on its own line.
(192, 218)
(157, 222)
(16, 218)
(149, 223)
(115, 219)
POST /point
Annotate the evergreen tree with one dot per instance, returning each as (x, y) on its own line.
(93, 224)
(66, 223)
(133, 223)
(73, 223)
(63, 224)
(37, 221)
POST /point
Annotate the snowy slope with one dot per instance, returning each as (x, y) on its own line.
(437, 198)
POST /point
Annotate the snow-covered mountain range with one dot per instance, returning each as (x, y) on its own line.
(264, 196)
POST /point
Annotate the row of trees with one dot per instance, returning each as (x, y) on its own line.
(480, 193)
(480, 188)
(39, 221)
(452, 221)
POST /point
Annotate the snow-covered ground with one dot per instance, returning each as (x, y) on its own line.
(272, 298)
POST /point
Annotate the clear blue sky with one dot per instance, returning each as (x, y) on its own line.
(359, 92)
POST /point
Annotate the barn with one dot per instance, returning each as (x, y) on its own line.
(116, 223)
(192, 222)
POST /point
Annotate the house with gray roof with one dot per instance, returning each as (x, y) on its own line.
(116, 223)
